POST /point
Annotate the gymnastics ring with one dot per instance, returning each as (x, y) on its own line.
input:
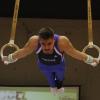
(13, 30)
(93, 46)
(10, 44)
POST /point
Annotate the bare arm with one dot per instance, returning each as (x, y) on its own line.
(68, 48)
(29, 47)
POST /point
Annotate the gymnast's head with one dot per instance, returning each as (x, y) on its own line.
(46, 39)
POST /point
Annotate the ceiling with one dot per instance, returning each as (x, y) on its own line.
(67, 9)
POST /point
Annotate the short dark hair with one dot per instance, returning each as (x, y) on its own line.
(46, 33)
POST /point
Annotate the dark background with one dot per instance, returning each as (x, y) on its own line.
(65, 9)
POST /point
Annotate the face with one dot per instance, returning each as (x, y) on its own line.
(47, 45)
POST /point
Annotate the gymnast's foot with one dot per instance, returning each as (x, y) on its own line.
(53, 90)
(60, 91)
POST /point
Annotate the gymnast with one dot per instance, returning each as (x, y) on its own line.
(50, 49)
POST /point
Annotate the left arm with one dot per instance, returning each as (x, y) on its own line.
(67, 47)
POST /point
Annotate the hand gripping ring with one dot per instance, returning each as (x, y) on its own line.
(7, 45)
(93, 46)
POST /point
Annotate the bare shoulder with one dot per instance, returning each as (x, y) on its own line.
(32, 42)
(63, 42)
(34, 38)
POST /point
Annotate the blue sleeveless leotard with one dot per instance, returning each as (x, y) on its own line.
(52, 65)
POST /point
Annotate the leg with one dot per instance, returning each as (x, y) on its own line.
(46, 70)
(50, 77)
(59, 74)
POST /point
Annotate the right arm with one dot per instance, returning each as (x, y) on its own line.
(29, 47)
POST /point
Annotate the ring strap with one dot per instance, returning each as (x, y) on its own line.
(14, 22)
(13, 30)
(90, 29)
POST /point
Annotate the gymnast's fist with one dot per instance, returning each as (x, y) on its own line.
(8, 59)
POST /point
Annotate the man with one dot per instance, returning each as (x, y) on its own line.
(50, 49)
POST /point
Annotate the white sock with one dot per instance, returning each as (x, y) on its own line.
(53, 90)
(61, 90)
